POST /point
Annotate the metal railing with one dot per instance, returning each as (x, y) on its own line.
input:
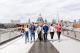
(7, 34)
(73, 33)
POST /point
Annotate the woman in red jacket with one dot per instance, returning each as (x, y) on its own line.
(59, 30)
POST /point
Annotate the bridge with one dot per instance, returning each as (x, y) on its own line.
(69, 43)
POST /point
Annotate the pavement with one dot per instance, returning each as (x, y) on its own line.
(65, 45)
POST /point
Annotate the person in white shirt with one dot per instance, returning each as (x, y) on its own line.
(19, 31)
(52, 30)
(26, 33)
(39, 31)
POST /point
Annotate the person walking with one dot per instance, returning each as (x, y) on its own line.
(32, 31)
(26, 33)
(45, 30)
(52, 30)
(59, 30)
(22, 30)
(39, 31)
(18, 33)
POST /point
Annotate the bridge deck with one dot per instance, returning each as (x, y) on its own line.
(43, 47)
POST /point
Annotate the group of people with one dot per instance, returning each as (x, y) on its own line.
(57, 28)
(23, 30)
(45, 29)
(42, 31)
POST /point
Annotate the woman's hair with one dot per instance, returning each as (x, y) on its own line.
(27, 26)
(51, 24)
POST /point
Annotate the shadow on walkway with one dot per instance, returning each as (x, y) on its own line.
(43, 47)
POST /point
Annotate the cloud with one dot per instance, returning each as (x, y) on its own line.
(10, 9)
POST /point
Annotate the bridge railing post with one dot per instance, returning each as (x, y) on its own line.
(0, 38)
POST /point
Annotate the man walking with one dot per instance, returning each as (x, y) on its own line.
(32, 31)
(45, 29)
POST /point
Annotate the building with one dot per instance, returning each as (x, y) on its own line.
(45, 21)
(79, 20)
(67, 23)
(29, 21)
(77, 24)
(75, 21)
(40, 20)
(15, 21)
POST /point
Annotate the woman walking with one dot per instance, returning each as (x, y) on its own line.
(59, 30)
(26, 33)
(22, 30)
(52, 29)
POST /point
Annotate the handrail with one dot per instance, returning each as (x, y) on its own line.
(9, 34)
(75, 30)
(72, 30)
(8, 31)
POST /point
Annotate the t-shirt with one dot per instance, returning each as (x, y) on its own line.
(26, 29)
(52, 29)
(39, 29)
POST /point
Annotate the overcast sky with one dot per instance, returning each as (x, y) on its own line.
(24, 9)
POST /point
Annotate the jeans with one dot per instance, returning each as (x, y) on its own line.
(58, 33)
(26, 36)
(52, 34)
(32, 35)
(45, 36)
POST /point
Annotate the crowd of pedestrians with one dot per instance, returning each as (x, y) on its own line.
(41, 30)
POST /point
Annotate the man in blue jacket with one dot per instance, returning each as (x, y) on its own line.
(32, 31)
(45, 29)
